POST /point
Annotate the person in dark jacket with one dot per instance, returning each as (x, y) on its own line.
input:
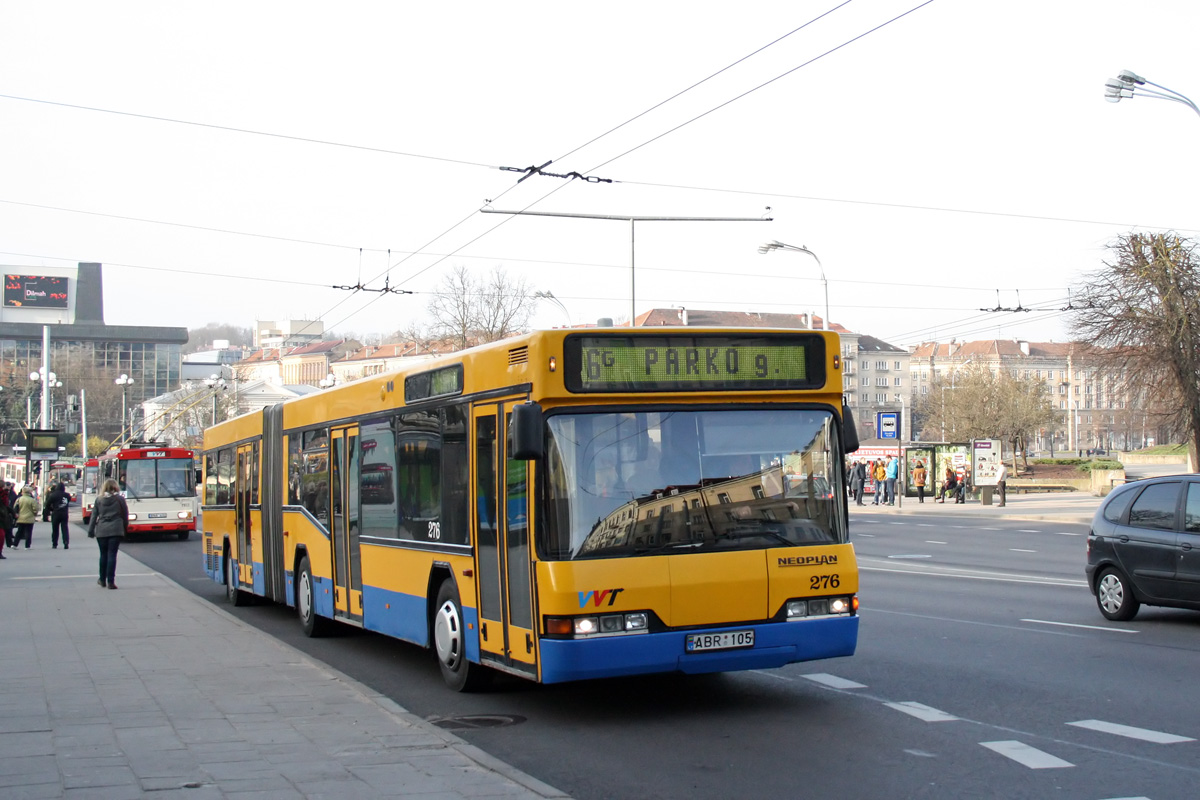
(858, 479)
(8, 498)
(109, 524)
(57, 507)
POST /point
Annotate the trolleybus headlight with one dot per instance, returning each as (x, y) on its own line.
(585, 626)
(612, 623)
(839, 605)
(132, 516)
(797, 608)
(636, 621)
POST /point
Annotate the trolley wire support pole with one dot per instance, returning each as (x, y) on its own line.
(632, 220)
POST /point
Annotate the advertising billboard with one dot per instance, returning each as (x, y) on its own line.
(34, 291)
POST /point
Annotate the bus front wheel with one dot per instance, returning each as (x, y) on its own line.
(450, 643)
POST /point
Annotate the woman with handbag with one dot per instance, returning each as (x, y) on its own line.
(108, 525)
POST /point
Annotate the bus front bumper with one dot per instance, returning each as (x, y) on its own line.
(775, 644)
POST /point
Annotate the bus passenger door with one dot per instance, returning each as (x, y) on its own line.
(502, 539)
(343, 486)
(241, 501)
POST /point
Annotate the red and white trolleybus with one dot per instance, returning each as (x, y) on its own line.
(158, 484)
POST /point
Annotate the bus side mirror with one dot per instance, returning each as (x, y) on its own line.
(849, 429)
(525, 432)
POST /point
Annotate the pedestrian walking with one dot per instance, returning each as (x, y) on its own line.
(10, 517)
(919, 476)
(890, 474)
(6, 524)
(108, 525)
(57, 507)
(858, 479)
(8, 498)
(1002, 481)
(949, 484)
(27, 513)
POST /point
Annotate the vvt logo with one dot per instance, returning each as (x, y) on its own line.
(597, 596)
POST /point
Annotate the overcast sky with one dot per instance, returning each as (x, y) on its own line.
(961, 156)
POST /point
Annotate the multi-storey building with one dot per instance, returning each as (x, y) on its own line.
(1094, 410)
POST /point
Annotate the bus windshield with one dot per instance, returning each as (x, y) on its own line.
(648, 482)
(143, 478)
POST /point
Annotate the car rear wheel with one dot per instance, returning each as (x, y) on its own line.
(1114, 596)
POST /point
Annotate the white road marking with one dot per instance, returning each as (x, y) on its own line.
(1158, 737)
(915, 555)
(1067, 533)
(899, 523)
(922, 712)
(1026, 530)
(1077, 625)
(1020, 550)
(991, 529)
(934, 541)
(866, 535)
(1028, 756)
(925, 525)
(833, 681)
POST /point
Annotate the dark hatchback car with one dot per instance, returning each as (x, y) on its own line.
(1144, 547)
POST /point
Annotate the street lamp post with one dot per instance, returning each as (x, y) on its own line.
(216, 383)
(124, 381)
(1129, 84)
(767, 247)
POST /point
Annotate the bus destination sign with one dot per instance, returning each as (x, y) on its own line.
(694, 363)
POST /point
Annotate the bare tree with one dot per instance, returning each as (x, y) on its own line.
(1141, 312)
(980, 404)
(474, 310)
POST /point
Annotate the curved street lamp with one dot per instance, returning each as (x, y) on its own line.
(767, 247)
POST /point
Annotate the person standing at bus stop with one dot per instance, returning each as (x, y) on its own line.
(920, 475)
(27, 513)
(57, 506)
(1002, 481)
(891, 474)
(108, 525)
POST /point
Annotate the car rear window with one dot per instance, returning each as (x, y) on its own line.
(1117, 504)
(1155, 507)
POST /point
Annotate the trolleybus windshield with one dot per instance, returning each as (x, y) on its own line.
(640, 482)
(143, 478)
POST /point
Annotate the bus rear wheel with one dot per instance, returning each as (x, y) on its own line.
(450, 643)
(314, 624)
(232, 593)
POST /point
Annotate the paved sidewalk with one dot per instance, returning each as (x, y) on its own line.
(1059, 506)
(150, 691)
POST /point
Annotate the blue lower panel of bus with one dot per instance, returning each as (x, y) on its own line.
(775, 645)
(405, 616)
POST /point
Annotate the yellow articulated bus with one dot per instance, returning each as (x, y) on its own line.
(562, 505)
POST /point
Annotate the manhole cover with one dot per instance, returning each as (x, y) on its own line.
(474, 721)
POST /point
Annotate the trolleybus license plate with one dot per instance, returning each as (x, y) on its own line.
(699, 642)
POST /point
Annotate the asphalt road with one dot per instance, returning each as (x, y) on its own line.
(983, 670)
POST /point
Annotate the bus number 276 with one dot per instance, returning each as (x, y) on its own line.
(824, 582)
(435, 530)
